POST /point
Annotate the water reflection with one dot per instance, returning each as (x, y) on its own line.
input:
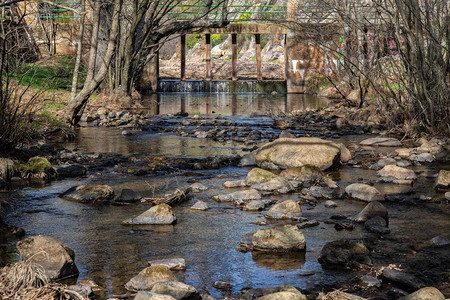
(228, 104)
(279, 261)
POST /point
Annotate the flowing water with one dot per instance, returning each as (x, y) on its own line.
(110, 253)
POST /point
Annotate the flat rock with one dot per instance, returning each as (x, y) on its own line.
(381, 141)
(422, 157)
(176, 289)
(234, 183)
(384, 162)
(288, 295)
(148, 277)
(307, 224)
(395, 172)
(276, 185)
(57, 259)
(75, 170)
(373, 209)
(255, 205)
(405, 280)
(321, 192)
(443, 180)
(364, 192)
(281, 239)
(157, 215)
(198, 187)
(171, 263)
(200, 205)
(286, 153)
(426, 293)
(330, 204)
(89, 193)
(403, 152)
(303, 174)
(288, 209)
(258, 175)
(240, 196)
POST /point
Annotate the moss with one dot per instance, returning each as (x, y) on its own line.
(36, 165)
(158, 273)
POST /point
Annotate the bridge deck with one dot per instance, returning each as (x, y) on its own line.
(247, 28)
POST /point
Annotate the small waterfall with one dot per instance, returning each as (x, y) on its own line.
(223, 86)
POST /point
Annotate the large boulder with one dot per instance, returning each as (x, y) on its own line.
(397, 174)
(286, 153)
(89, 193)
(443, 180)
(148, 277)
(381, 141)
(283, 239)
(176, 289)
(426, 293)
(276, 185)
(288, 209)
(57, 259)
(373, 209)
(343, 253)
(157, 215)
(258, 175)
(364, 192)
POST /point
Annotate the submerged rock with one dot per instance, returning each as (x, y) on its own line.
(404, 280)
(396, 172)
(234, 183)
(197, 187)
(286, 153)
(281, 239)
(288, 209)
(364, 192)
(157, 215)
(377, 225)
(171, 263)
(343, 253)
(148, 277)
(373, 209)
(240, 196)
(258, 175)
(381, 141)
(176, 289)
(89, 193)
(57, 259)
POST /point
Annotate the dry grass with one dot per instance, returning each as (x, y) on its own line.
(7, 168)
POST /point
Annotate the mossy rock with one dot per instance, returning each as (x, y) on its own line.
(258, 175)
(37, 165)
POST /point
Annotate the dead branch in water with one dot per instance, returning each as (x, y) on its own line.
(177, 197)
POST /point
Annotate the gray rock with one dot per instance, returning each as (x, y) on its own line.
(447, 196)
(384, 162)
(57, 259)
(330, 204)
(370, 281)
(340, 295)
(240, 196)
(89, 193)
(403, 163)
(422, 158)
(381, 141)
(129, 196)
(282, 239)
(198, 187)
(303, 174)
(373, 209)
(247, 160)
(287, 153)
(176, 289)
(404, 280)
(255, 205)
(157, 215)
(148, 277)
(200, 205)
(321, 192)
(288, 209)
(75, 170)
(275, 185)
(397, 174)
(82, 289)
(284, 295)
(377, 225)
(341, 254)
(307, 224)
(426, 293)
(364, 192)
(443, 180)
(286, 134)
(171, 263)
(145, 295)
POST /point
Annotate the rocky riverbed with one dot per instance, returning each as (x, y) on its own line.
(273, 212)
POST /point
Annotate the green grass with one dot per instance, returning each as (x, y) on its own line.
(55, 74)
(46, 118)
